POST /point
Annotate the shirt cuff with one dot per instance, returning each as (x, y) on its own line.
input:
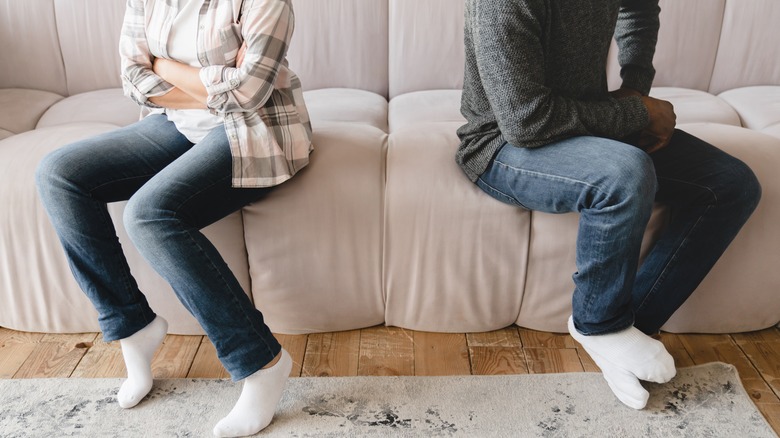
(637, 78)
(218, 80)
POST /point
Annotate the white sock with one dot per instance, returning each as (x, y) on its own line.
(623, 384)
(630, 350)
(138, 350)
(256, 405)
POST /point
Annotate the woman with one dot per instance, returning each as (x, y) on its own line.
(227, 123)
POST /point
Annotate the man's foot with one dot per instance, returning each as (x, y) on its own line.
(256, 405)
(138, 350)
(625, 357)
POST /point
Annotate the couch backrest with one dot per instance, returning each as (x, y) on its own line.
(340, 44)
(426, 45)
(715, 45)
(88, 32)
(389, 47)
(749, 50)
(30, 56)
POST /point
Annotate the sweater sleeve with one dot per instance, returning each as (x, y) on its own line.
(636, 35)
(510, 58)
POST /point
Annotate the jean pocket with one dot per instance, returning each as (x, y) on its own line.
(498, 194)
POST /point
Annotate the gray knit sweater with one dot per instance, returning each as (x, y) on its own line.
(535, 72)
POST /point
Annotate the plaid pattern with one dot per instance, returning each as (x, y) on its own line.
(261, 102)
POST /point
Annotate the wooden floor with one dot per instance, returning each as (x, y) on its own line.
(391, 351)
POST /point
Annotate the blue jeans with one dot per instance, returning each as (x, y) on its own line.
(174, 189)
(613, 186)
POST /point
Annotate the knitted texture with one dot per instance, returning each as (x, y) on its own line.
(535, 73)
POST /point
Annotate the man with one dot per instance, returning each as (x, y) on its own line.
(544, 133)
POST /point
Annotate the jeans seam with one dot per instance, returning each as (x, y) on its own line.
(214, 267)
(548, 175)
(662, 275)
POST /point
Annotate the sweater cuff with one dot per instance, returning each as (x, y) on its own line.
(637, 78)
(635, 113)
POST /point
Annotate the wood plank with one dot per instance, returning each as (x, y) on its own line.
(206, 364)
(588, 364)
(505, 337)
(767, 335)
(497, 352)
(8, 337)
(553, 360)
(440, 354)
(15, 348)
(296, 346)
(12, 358)
(174, 357)
(763, 351)
(103, 359)
(722, 348)
(57, 357)
(332, 354)
(536, 339)
(676, 348)
(771, 412)
(386, 351)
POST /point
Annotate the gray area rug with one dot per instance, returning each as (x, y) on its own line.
(702, 401)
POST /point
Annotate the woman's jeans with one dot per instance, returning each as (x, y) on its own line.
(613, 186)
(174, 189)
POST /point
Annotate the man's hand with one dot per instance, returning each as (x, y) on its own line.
(658, 132)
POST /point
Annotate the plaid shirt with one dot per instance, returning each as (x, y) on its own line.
(261, 102)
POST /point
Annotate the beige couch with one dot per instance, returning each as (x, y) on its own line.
(393, 232)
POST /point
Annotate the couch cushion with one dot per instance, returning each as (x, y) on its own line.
(748, 53)
(346, 105)
(37, 289)
(758, 107)
(423, 107)
(20, 109)
(426, 45)
(31, 56)
(106, 106)
(315, 242)
(687, 44)
(454, 258)
(693, 106)
(5, 134)
(340, 43)
(89, 31)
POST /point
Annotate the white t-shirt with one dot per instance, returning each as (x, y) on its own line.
(195, 124)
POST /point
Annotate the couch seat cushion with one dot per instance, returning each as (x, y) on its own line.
(758, 107)
(20, 109)
(693, 106)
(346, 105)
(105, 106)
(422, 107)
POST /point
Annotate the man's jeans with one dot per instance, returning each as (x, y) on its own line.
(174, 189)
(613, 185)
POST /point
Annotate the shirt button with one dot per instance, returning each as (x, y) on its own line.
(234, 82)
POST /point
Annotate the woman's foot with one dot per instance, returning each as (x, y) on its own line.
(256, 405)
(138, 351)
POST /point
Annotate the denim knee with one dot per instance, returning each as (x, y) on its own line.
(52, 171)
(141, 218)
(630, 177)
(740, 188)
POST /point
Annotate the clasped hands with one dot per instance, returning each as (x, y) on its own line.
(658, 132)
